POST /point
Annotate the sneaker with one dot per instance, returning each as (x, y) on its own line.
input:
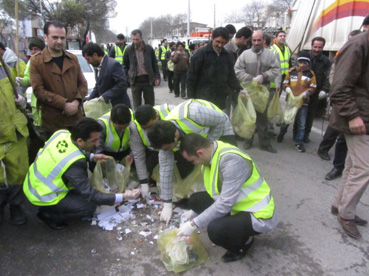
(17, 215)
(247, 145)
(280, 138)
(300, 147)
(235, 256)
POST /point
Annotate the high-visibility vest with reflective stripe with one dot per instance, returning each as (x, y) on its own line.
(119, 54)
(113, 142)
(284, 59)
(43, 185)
(254, 196)
(163, 51)
(180, 115)
(163, 111)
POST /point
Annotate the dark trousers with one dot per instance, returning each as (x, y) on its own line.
(141, 86)
(164, 68)
(184, 167)
(72, 206)
(229, 232)
(171, 80)
(180, 79)
(261, 129)
(230, 139)
(313, 105)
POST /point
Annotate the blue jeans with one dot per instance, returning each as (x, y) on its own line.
(300, 120)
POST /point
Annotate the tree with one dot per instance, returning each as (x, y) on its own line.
(254, 13)
(276, 10)
(235, 17)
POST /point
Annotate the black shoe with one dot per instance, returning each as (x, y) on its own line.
(17, 215)
(170, 91)
(300, 147)
(176, 96)
(280, 138)
(268, 148)
(235, 256)
(54, 225)
(272, 134)
(324, 155)
(334, 173)
(247, 145)
(306, 140)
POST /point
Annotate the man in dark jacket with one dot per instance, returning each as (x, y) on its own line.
(111, 82)
(211, 74)
(320, 65)
(141, 67)
(350, 115)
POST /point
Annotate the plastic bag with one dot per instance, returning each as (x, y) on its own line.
(244, 117)
(259, 94)
(292, 106)
(95, 108)
(181, 253)
(110, 177)
(275, 112)
(183, 188)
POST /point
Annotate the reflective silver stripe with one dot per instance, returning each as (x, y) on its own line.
(164, 109)
(260, 205)
(48, 181)
(110, 138)
(189, 124)
(2, 73)
(249, 189)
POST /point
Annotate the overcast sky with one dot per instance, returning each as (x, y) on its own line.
(130, 14)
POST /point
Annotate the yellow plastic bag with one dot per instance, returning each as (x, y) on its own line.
(95, 108)
(244, 117)
(183, 188)
(181, 253)
(275, 112)
(292, 106)
(110, 177)
(259, 94)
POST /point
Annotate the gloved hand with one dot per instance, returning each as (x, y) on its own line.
(288, 90)
(259, 79)
(145, 190)
(101, 99)
(18, 81)
(306, 94)
(188, 215)
(323, 95)
(244, 92)
(131, 194)
(187, 229)
(166, 213)
(20, 102)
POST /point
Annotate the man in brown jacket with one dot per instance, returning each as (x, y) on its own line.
(350, 115)
(181, 60)
(57, 81)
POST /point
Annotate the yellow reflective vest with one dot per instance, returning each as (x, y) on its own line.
(255, 194)
(113, 142)
(163, 111)
(119, 54)
(163, 51)
(43, 185)
(284, 58)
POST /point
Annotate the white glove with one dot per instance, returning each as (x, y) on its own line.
(101, 99)
(187, 229)
(259, 79)
(288, 90)
(145, 190)
(18, 81)
(20, 102)
(323, 95)
(306, 94)
(131, 194)
(188, 215)
(244, 93)
(166, 213)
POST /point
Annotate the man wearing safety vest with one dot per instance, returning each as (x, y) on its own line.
(117, 52)
(114, 138)
(283, 53)
(191, 116)
(237, 204)
(145, 156)
(162, 50)
(58, 182)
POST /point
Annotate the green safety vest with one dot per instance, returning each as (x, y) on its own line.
(119, 54)
(163, 111)
(43, 185)
(255, 194)
(113, 142)
(284, 59)
(163, 51)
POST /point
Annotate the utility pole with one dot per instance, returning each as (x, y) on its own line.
(214, 15)
(188, 19)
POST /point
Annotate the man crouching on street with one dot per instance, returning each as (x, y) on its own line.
(57, 181)
(237, 204)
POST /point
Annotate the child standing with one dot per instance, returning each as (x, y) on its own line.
(299, 80)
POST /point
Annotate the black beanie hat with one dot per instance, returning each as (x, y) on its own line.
(36, 42)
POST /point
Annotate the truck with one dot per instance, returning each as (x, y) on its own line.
(331, 19)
